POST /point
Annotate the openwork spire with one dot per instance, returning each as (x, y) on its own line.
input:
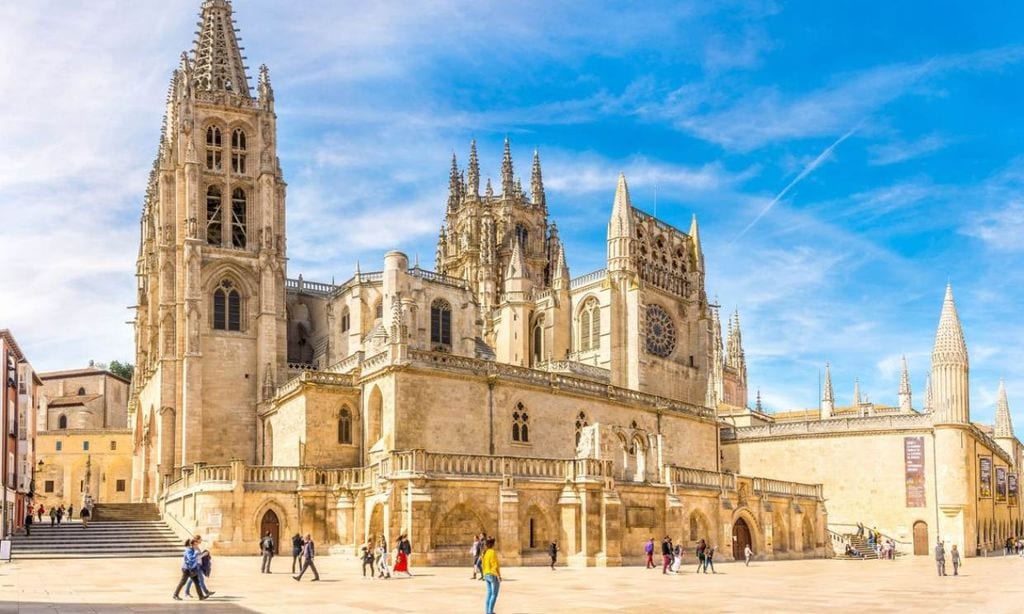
(950, 368)
(473, 178)
(537, 182)
(950, 347)
(454, 186)
(622, 214)
(828, 395)
(1004, 426)
(219, 65)
(508, 185)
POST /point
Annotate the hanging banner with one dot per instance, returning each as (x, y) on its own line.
(985, 478)
(913, 461)
(1012, 481)
(1000, 483)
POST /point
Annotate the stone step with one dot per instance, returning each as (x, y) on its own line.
(92, 555)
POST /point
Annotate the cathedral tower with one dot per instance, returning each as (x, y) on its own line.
(949, 383)
(210, 326)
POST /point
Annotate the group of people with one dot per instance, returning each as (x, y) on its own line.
(940, 558)
(196, 566)
(672, 556)
(375, 557)
(57, 516)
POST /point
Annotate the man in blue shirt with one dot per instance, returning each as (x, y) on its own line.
(190, 569)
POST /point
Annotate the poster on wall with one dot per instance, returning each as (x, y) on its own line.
(1012, 481)
(985, 478)
(913, 460)
(1000, 483)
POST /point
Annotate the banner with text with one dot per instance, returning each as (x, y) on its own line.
(1000, 483)
(985, 478)
(1012, 481)
(913, 459)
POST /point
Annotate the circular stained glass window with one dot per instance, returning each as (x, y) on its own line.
(661, 333)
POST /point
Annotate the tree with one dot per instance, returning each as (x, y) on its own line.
(122, 369)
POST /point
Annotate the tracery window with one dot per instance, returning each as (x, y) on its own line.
(581, 421)
(345, 426)
(520, 424)
(441, 322)
(238, 152)
(227, 307)
(213, 149)
(238, 218)
(522, 236)
(213, 217)
(590, 325)
(661, 332)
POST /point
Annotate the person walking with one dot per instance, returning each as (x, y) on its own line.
(366, 555)
(60, 514)
(189, 570)
(404, 551)
(308, 552)
(86, 514)
(677, 557)
(53, 515)
(940, 558)
(476, 552)
(202, 572)
(492, 575)
(553, 553)
(41, 510)
(383, 569)
(71, 512)
(747, 553)
(702, 547)
(28, 523)
(954, 557)
(296, 550)
(649, 551)
(709, 559)
(666, 554)
(267, 550)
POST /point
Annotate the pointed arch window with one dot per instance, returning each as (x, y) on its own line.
(62, 422)
(214, 149)
(441, 323)
(227, 307)
(590, 325)
(238, 152)
(581, 421)
(522, 236)
(345, 320)
(345, 426)
(520, 424)
(378, 310)
(537, 341)
(213, 215)
(238, 218)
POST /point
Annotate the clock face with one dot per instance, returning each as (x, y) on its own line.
(661, 332)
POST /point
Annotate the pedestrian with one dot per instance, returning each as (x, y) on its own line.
(41, 510)
(189, 569)
(296, 550)
(677, 557)
(308, 552)
(649, 551)
(383, 569)
(747, 553)
(86, 514)
(476, 551)
(71, 512)
(666, 554)
(954, 557)
(202, 572)
(860, 529)
(702, 546)
(28, 523)
(402, 558)
(267, 550)
(53, 515)
(709, 559)
(60, 514)
(366, 555)
(553, 553)
(940, 558)
(492, 575)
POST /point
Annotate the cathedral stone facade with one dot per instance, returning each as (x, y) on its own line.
(496, 393)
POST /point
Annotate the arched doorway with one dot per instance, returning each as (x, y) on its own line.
(740, 538)
(270, 523)
(375, 528)
(920, 538)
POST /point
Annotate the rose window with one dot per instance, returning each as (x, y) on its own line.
(661, 333)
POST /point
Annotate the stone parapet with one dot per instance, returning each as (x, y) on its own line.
(872, 424)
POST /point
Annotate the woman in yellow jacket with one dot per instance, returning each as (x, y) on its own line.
(492, 575)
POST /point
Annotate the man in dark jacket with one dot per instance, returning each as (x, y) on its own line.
(267, 550)
(296, 550)
(308, 552)
(666, 554)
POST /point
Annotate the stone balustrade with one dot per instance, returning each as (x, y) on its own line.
(830, 425)
(701, 478)
(589, 278)
(348, 363)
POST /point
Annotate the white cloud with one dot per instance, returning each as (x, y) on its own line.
(901, 151)
(1001, 229)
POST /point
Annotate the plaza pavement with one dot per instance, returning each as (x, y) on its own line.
(145, 585)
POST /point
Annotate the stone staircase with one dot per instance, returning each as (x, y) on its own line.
(123, 530)
(861, 544)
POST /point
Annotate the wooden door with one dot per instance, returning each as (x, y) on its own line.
(740, 539)
(920, 538)
(271, 524)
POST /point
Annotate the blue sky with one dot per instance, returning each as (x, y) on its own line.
(894, 126)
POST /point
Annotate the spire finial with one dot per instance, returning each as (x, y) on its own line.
(507, 176)
(537, 183)
(218, 58)
(474, 170)
(1004, 425)
(904, 394)
(856, 393)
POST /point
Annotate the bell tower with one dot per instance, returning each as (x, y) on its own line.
(210, 323)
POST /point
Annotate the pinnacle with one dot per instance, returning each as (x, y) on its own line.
(949, 338)
(621, 209)
(219, 66)
(1003, 426)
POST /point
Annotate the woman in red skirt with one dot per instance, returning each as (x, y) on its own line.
(402, 558)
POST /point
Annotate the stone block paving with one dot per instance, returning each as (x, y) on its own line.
(909, 584)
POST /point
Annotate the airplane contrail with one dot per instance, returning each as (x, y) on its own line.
(807, 170)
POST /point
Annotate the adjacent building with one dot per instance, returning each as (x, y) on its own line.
(18, 416)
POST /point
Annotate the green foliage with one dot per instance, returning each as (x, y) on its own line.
(122, 369)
